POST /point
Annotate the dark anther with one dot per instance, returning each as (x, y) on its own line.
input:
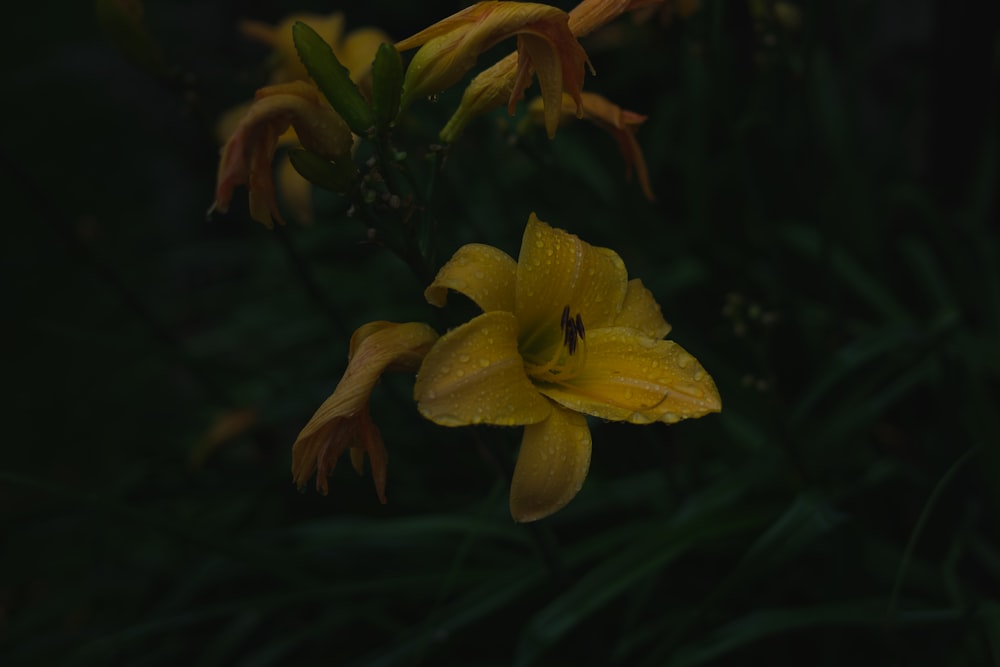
(572, 328)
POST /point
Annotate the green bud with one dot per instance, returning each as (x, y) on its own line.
(332, 78)
(387, 83)
(335, 176)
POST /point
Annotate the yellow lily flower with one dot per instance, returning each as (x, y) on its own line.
(563, 334)
(249, 152)
(545, 45)
(619, 123)
(496, 85)
(343, 421)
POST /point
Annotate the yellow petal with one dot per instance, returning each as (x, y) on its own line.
(630, 377)
(474, 374)
(556, 269)
(551, 466)
(483, 273)
(640, 311)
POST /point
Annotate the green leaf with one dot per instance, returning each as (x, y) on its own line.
(332, 78)
(387, 84)
(334, 176)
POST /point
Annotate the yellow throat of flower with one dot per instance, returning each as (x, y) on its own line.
(556, 358)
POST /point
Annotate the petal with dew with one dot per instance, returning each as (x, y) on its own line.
(556, 269)
(475, 375)
(551, 465)
(630, 377)
(483, 273)
(640, 311)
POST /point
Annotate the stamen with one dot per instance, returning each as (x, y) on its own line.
(564, 363)
(572, 330)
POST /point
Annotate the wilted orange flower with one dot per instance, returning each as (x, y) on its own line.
(620, 123)
(545, 46)
(343, 420)
(247, 156)
(355, 50)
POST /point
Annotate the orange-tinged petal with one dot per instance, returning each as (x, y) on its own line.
(620, 123)
(592, 14)
(556, 269)
(343, 420)
(483, 273)
(546, 63)
(551, 466)
(490, 89)
(630, 377)
(474, 374)
(640, 311)
(248, 154)
(450, 48)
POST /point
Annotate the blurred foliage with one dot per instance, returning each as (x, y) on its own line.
(825, 242)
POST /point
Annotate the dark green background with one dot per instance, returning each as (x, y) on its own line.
(824, 241)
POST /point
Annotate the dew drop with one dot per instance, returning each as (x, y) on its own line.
(484, 362)
(684, 360)
(464, 358)
(698, 376)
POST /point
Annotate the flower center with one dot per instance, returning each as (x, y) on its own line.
(560, 361)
